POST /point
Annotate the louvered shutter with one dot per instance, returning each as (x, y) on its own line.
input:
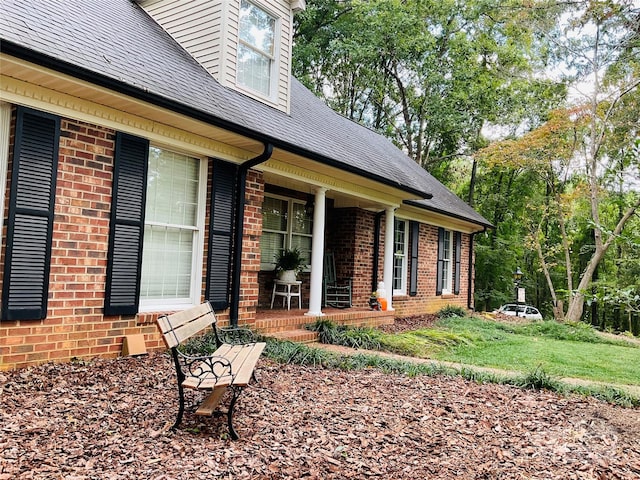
(127, 225)
(30, 222)
(413, 277)
(458, 247)
(440, 266)
(221, 234)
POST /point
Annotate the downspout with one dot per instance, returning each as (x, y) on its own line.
(470, 304)
(376, 250)
(239, 229)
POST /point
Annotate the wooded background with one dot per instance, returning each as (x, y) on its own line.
(529, 110)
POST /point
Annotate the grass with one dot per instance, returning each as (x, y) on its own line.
(563, 350)
(541, 353)
(537, 379)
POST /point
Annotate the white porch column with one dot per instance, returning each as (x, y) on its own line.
(388, 255)
(317, 254)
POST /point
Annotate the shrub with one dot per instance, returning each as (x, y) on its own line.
(451, 311)
(360, 337)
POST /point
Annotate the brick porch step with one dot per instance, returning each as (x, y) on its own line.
(298, 335)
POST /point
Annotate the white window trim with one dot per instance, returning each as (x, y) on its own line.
(5, 131)
(405, 258)
(447, 283)
(152, 305)
(267, 266)
(274, 79)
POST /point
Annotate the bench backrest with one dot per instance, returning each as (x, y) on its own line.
(180, 326)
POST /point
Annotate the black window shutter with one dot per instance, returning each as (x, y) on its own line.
(220, 234)
(440, 267)
(30, 222)
(415, 240)
(127, 225)
(458, 247)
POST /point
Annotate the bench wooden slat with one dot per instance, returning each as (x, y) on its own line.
(243, 375)
(180, 326)
(243, 359)
(208, 406)
(207, 382)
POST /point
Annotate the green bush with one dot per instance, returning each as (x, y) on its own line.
(451, 311)
(358, 337)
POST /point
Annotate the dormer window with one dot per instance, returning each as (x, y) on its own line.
(256, 49)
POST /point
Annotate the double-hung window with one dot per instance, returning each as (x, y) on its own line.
(256, 49)
(447, 265)
(400, 246)
(174, 230)
(286, 223)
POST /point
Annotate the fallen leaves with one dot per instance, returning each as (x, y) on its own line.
(109, 420)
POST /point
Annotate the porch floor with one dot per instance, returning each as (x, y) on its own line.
(289, 324)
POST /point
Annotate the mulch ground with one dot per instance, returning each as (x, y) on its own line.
(110, 419)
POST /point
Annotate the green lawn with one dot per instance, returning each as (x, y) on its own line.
(560, 350)
(551, 348)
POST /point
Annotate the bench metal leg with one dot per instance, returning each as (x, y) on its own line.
(180, 409)
(180, 378)
(236, 393)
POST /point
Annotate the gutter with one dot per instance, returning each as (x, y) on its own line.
(241, 187)
(47, 61)
(416, 204)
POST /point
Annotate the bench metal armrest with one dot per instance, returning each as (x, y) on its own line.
(202, 366)
(236, 336)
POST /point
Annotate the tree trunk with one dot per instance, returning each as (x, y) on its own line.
(576, 302)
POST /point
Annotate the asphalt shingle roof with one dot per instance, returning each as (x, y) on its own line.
(117, 42)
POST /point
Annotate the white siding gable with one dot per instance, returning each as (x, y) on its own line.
(208, 30)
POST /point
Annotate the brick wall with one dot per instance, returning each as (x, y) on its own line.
(350, 238)
(426, 300)
(75, 326)
(250, 290)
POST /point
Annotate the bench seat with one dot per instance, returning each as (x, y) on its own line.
(230, 368)
(242, 358)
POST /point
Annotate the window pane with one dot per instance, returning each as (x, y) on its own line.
(301, 221)
(254, 70)
(274, 214)
(303, 244)
(166, 263)
(257, 27)
(271, 244)
(172, 188)
(397, 273)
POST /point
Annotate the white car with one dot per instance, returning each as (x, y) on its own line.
(526, 311)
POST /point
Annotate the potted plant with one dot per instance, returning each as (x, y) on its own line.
(289, 262)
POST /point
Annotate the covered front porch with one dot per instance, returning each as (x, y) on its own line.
(325, 217)
(290, 324)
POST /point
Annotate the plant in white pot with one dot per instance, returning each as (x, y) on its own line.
(289, 262)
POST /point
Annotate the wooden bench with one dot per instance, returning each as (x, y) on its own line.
(230, 367)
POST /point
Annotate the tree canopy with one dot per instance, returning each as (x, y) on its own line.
(529, 109)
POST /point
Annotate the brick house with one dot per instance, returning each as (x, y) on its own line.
(158, 153)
